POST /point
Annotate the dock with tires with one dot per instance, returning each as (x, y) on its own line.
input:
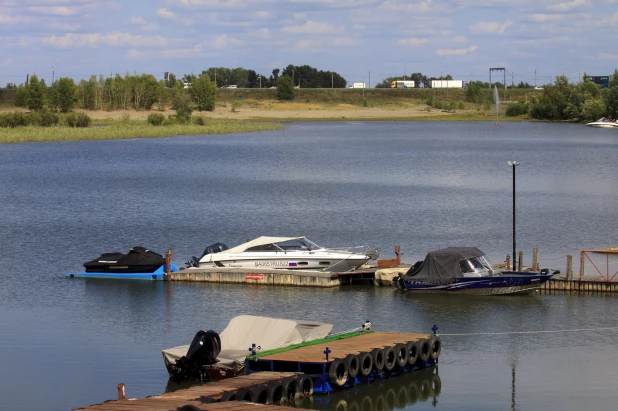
(285, 376)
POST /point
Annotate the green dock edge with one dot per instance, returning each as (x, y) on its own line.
(308, 343)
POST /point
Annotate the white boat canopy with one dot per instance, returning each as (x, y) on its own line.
(266, 332)
(257, 242)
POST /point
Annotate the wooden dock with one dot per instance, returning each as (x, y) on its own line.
(580, 286)
(288, 375)
(192, 396)
(272, 277)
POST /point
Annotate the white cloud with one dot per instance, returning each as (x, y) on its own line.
(114, 39)
(489, 27)
(607, 56)
(545, 18)
(56, 11)
(8, 19)
(65, 27)
(182, 53)
(456, 52)
(165, 13)
(263, 33)
(7, 62)
(136, 54)
(143, 24)
(344, 41)
(312, 27)
(414, 41)
(568, 6)
(225, 41)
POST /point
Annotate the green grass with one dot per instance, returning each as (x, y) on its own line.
(118, 130)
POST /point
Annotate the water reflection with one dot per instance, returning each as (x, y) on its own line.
(388, 394)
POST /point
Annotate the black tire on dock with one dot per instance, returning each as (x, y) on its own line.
(342, 405)
(275, 392)
(353, 364)
(306, 384)
(337, 373)
(402, 355)
(245, 394)
(412, 349)
(423, 351)
(390, 358)
(413, 392)
(390, 399)
(291, 389)
(229, 396)
(204, 399)
(260, 394)
(435, 347)
(365, 361)
(377, 355)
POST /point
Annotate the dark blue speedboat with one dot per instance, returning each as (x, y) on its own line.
(466, 270)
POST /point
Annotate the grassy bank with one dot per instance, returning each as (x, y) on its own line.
(124, 130)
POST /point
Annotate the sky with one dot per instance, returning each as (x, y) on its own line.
(362, 40)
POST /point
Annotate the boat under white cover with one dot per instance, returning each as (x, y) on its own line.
(604, 123)
(265, 332)
(285, 253)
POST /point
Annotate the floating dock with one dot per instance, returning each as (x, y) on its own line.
(299, 278)
(285, 375)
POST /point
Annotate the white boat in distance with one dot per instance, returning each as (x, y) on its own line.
(604, 123)
(293, 253)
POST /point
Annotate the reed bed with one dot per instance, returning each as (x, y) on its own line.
(115, 131)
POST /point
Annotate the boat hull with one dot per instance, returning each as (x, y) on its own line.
(292, 263)
(158, 274)
(515, 283)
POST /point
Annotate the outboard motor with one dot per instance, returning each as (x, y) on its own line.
(202, 353)
(211, 249)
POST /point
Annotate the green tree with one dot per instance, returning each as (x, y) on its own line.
(202, 92)
(37, 93)
(171, 80)
(475, 94)
(611, 97)
(64, 94)
(592, 109)
(285, 88)
(181, 102)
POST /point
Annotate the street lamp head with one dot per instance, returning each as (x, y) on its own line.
(513, 163)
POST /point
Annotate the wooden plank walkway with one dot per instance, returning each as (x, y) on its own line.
(147, 404)
(175, 399)
(341, 348)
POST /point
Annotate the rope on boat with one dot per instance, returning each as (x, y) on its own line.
(532, 332)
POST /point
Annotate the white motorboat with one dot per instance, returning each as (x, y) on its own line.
(294, 253)
(604, 123)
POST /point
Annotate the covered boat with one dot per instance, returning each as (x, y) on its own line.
(466, 270)
(212, 356)
(138, 263)
(294, 253)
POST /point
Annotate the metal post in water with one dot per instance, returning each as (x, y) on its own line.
(521, 259)
(514, 164)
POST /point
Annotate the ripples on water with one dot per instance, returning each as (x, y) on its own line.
(67, 343)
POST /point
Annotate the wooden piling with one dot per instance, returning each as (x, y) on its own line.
(521, 258)
(569, 268)
(535, 256)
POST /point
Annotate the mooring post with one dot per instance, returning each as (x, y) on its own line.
(398, 254)
(508, 262)
(521, 257)
(169, 254)
(569, 268)
(121, 395)
(535, 256)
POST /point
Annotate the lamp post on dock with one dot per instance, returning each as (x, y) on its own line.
(514, 164)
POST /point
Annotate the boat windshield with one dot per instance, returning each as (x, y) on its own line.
(301, 244)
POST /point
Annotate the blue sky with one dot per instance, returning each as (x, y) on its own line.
(464, 38)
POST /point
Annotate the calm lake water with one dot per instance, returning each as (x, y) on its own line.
(66, 343)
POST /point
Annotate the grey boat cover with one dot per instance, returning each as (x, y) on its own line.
(266, 332)
(442, 266)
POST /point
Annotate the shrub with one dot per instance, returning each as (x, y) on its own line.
(77, 120)
(156, 119)
(235, 105)
(517, 109)
(199, 120)
(437, 104)
(461, 105)
(48, 118)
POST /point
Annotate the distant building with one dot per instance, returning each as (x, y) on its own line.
(601, 81)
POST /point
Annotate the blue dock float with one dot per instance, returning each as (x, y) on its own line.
(158, 274)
